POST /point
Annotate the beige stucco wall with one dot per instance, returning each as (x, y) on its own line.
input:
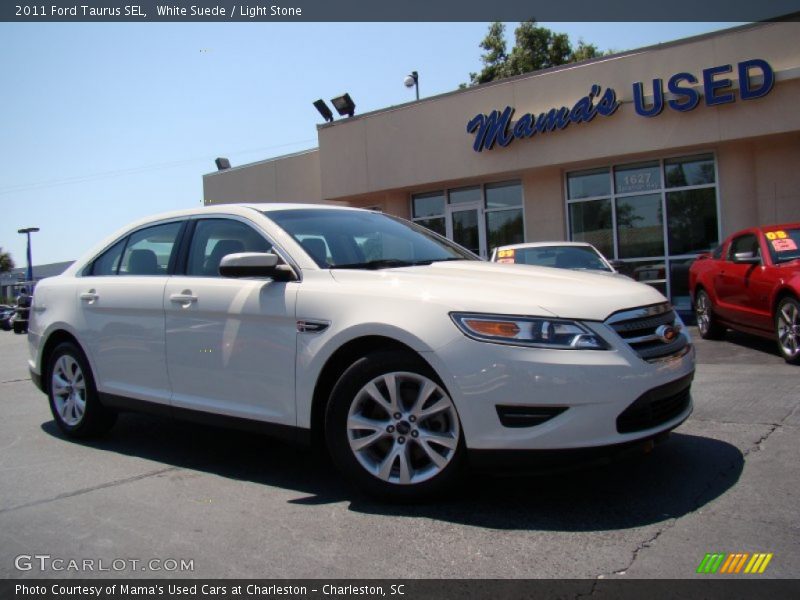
(294, 178)
(426, 142)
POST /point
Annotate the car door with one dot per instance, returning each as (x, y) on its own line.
(231, 343)
(121, 302)
(740, 287)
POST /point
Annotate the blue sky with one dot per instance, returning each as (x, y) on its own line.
(104, 123)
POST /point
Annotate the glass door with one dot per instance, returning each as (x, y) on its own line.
(465, 227)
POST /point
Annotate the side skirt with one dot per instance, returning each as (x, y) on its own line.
(288, 433)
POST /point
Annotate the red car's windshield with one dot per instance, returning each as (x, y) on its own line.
(784, 244)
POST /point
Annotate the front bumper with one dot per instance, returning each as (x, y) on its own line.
(594, 390)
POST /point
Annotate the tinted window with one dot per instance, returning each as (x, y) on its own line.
(215, 238)
(149, 250)
(108, 262)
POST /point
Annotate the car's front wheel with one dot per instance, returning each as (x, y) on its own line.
(707, 323)
(393, 429)
(73, 396)
(787, 330)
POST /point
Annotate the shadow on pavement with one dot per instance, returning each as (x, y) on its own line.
(678, 477)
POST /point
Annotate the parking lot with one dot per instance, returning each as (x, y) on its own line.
(241, 505)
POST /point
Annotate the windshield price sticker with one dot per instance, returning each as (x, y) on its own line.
(505, 256)
(776, 235)
(784, 244)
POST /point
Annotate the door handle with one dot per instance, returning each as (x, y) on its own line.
(185, 297)
(90, 296)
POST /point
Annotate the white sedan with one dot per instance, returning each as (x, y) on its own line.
(403, 353)
(560, 255)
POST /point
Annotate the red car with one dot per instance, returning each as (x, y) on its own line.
(751, 283)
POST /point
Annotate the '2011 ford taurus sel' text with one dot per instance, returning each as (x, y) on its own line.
(404, 352)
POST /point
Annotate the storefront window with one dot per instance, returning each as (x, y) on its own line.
(428, 211)
(504, 221)
(640, 230)
(591, 222)
(692, 220)
(504, 227)
(664, 214)
(588, 184)
(691, 170)
(637, 178)
(464, 195)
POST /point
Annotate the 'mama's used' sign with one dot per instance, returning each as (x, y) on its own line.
(498, 128)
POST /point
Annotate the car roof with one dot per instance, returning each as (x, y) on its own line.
(543, 245)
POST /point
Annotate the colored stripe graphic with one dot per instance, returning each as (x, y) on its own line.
(711, 562)
(758, 564)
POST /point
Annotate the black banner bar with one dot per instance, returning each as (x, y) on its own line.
(400, 10)
(732, 588)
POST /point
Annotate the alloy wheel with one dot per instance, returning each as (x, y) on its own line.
(68, 385)
(789, 329)
(403, 428)
(702, 311)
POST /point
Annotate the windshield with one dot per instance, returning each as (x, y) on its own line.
(350, 239)
(784, 244)
(561, 257)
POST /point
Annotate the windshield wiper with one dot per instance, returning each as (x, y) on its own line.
(384, 263)
(389, 263)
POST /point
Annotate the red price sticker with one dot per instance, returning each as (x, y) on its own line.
(784, 245)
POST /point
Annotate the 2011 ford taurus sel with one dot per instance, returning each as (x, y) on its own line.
(404, 352)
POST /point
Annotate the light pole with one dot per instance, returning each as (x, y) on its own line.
(412, 80)
(28, 231)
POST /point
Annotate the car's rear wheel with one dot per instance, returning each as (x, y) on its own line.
(73, 396)
(393, 429)
(787, 329)
(707, 323)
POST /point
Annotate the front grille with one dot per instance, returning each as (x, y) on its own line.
(527, 416)
(638, 328)
(656, 407)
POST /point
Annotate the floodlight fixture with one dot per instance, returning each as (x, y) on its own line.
(324, 110)
(222, 163)
(344, 105)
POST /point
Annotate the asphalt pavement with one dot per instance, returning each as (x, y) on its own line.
(229, 504)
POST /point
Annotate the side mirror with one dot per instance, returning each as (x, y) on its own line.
(750, 258)
(255, 264)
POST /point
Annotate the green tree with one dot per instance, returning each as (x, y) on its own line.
(6, 262)
(535, 48)
(495, 56)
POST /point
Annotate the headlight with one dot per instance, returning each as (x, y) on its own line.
(528, 331)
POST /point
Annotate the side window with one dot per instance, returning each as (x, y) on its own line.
(149, 250)
(108, 262)
(744, 243)
(215, 238)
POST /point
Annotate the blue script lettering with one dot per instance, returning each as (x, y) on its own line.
(497, 127)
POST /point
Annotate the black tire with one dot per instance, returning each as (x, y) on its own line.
(787, 329)
(69, 364)
(402, 446)
(19, 327)
(707, 323)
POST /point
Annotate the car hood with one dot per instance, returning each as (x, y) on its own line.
(474, 286)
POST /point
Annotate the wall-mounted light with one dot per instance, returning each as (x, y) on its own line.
(323, 110)
(222, 164)
(412, 80)
(344, 105)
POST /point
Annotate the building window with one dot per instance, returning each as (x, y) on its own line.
(655, 216)
(428, 211)
(479, 218)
